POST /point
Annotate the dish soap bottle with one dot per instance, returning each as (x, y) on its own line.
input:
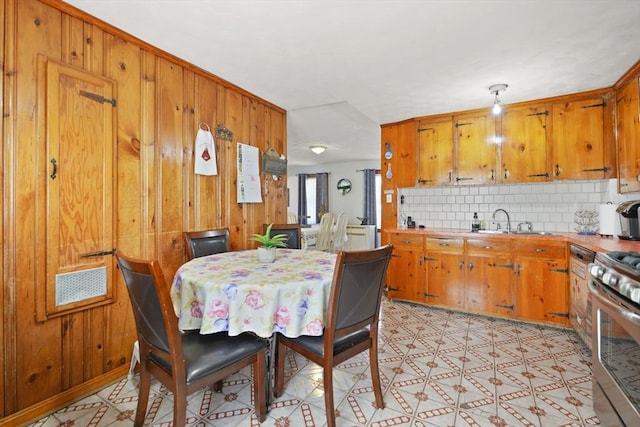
(475, 224)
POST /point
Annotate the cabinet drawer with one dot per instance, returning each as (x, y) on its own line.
(489, 245)
(541, 249)
(406, 239)
(440, 244)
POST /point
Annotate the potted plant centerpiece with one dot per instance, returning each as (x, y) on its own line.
(267, 252)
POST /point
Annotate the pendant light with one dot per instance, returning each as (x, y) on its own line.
(317, 148)
(495, 90)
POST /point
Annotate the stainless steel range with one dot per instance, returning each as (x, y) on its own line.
(615, 287)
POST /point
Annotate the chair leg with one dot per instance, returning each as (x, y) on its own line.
(217, 386)
(259, 386)
(143, 397)
(180, 408)
(279, 370)
(375, 375)
(328, 396)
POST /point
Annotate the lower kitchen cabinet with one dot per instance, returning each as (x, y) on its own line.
(489, 276)
(444, 261)
(405, 275)
(525, 279)
(541, 287)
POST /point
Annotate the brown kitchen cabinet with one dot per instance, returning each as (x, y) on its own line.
(523, 133)
(444, 263)
(435, 151)
(475, 148)
(583, 138)
(541, 285)
(489, 276)
(628, 134)
(405, 275)
(399, 139)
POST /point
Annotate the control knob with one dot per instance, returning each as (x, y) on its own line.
(610, 279)
(596, 270)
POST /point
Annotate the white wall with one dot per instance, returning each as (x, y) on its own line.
(352, 203)
(550, 206)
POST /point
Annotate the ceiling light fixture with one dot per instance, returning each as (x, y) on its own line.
(318, 149)
(495, 90)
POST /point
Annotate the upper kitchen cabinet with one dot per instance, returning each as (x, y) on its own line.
(475, 148)
(523, 134)
(628, 134)
(583, 138)
(435, 151)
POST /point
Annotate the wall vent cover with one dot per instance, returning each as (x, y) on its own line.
(80, 285)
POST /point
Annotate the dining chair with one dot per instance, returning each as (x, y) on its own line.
(207, 242)
(184, 363)
(339, 237)
(323, 241)
(351, 326)
(292, 231)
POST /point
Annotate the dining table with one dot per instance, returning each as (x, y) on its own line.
(235, 292)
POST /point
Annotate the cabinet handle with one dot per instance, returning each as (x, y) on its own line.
(488, 247)
(518, 270)
(444, 244)
(506, 173)
(470, 266)
(539, 250)
(450, 174)
(406, 242)
(460, 264)
(492, 176)
(54, 173)
(558, 170)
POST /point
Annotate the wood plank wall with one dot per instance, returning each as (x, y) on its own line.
(161, 102)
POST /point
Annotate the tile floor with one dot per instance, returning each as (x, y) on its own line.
(438, 368)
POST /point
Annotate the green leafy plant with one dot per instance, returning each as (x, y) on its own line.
(269, 241)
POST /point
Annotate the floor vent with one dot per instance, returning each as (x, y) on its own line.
(80, 285)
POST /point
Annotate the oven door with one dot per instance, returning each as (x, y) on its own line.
(616, 357)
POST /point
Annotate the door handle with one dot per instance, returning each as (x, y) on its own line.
(54, 173)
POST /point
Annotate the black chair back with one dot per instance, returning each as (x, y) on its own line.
(292, 231)
(208, 242)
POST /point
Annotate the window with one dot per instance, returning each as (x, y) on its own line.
(311, 199)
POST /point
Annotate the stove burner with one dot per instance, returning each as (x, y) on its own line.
(631, 258)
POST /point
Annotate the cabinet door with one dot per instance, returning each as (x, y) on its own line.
(542, 282)
(79, 186)
(489, 277)
(628, 143)
(444, 263)
(435, 152)
(405, 275)
(578, 140)
(523, 145)
(475, 150)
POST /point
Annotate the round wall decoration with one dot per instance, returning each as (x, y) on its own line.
(344, 185)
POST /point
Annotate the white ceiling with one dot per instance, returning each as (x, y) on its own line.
(341, 68)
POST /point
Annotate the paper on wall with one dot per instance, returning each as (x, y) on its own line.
(248, 190)
(205, 161)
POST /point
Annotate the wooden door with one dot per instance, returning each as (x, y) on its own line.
(488, 285)
(79, 187)
(628, 122)
(444, 261)
(523, 145)
(405, 276)
(476, 149)
(541, 289)
(435, 152)
(578, 140)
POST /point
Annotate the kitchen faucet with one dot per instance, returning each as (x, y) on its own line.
(508, 219)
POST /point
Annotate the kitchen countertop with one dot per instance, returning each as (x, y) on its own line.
(595, 242)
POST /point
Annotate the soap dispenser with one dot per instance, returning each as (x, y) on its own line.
(475, 224)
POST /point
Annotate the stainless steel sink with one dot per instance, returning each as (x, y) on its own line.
(522, 232)
(531, 232)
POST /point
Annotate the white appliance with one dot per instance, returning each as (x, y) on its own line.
(360, 237)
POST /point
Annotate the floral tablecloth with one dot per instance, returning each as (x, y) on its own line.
(234, 292)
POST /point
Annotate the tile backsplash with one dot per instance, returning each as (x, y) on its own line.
(549, 206)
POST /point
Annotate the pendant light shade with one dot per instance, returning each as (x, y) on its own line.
(318, 149)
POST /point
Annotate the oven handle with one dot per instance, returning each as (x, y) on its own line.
(614, 304)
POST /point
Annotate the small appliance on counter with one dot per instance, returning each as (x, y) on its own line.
(628, 214)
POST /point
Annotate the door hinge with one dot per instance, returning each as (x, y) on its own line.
(553, 313)
(602, 104)
(559, 270)
(546, 174)
(427, 294)
(544, 113)
(502, 266)
(463, 124)
(101, 99)
(604, 169)
(424, 129)
(426, 258)
(389, 288)
(99, 253)
(509, 306)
